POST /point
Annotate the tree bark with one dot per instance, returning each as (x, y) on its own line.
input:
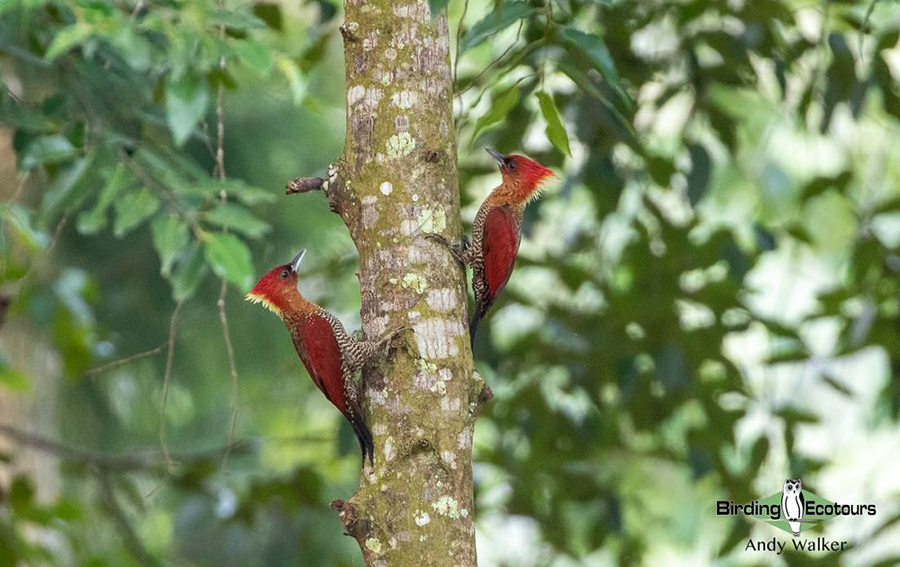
(395, 183)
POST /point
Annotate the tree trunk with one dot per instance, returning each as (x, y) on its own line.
(395, 183)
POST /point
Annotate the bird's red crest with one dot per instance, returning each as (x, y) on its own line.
(275, 289)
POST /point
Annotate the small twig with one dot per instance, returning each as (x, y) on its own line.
(34, 263)
(304, 185)
(509, 48)
(144, 460)
(173, 324)
(459, 27)
(23, 180)
(132, 542)
(137, 9)
(223, 315)
(862, 29)
(155, 184)
(229, 349)
(123, 361)
(121, 463)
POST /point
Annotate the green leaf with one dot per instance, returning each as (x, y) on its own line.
(93, 221)
(505, 14)
(186, 100)
(823, 183)
(170, 238)
(701, 169)
(595, 48)
(47, 150)
(294, 76)
(189, 271)
(270, 14)
(132, 210)
(66, 39)
(236, 20)
(246, 194)
(237, 218)
(437, 6)
(69, 188)
(254, 55)
(229, 258)
(12, 379)
(556, 132)
(254, 195)
(502, 105)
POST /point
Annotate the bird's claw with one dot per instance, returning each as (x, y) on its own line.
(386, 343)
(457, 249)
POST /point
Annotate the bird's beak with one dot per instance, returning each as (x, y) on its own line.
(501, 159)
(295, 263)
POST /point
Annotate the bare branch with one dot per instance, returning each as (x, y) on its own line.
(223, 315)
(130, 538)
(123, 361)
(173, 324)
(304, 185)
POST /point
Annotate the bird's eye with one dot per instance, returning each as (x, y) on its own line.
(285, 273)
(511, 164)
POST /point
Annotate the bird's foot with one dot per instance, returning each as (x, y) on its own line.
(385, 343)
(457, 249)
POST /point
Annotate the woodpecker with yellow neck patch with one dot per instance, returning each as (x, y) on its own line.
(329, 354)
(497, 231)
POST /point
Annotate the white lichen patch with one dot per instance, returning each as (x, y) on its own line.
(353, 26)
(449, 457)
(464, 440)
(432, 220)
(422, 518)
(373, 97)
(442, 299)
(400, 145)
(450, 405)
(387, 188)
(437, 337)
(416, 282)
(373, 545)
(464, 513)
(408, 226)
(446, 506)
(379, 397)
(379, 429)
(405, 99)
(369, 210)
(355, 94)
(415, 197)
(389, 449)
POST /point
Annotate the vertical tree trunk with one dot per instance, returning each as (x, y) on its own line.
(396, 182)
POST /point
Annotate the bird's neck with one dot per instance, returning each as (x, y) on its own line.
(298, 310)
(513, 193)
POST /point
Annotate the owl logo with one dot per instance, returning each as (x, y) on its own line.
(792, 504)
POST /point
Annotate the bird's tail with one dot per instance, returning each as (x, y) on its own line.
(363, 435)
(481, 309)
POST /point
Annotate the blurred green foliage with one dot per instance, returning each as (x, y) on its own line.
(707, 150)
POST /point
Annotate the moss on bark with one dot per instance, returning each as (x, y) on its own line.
(397, 181)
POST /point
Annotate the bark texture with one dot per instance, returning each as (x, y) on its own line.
(395, 183)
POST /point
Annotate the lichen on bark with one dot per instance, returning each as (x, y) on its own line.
(395, 182)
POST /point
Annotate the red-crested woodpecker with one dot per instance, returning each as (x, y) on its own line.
(497, 230)
(329, 354)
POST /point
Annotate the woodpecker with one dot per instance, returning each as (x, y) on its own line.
(329, 354)
(497, 230)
